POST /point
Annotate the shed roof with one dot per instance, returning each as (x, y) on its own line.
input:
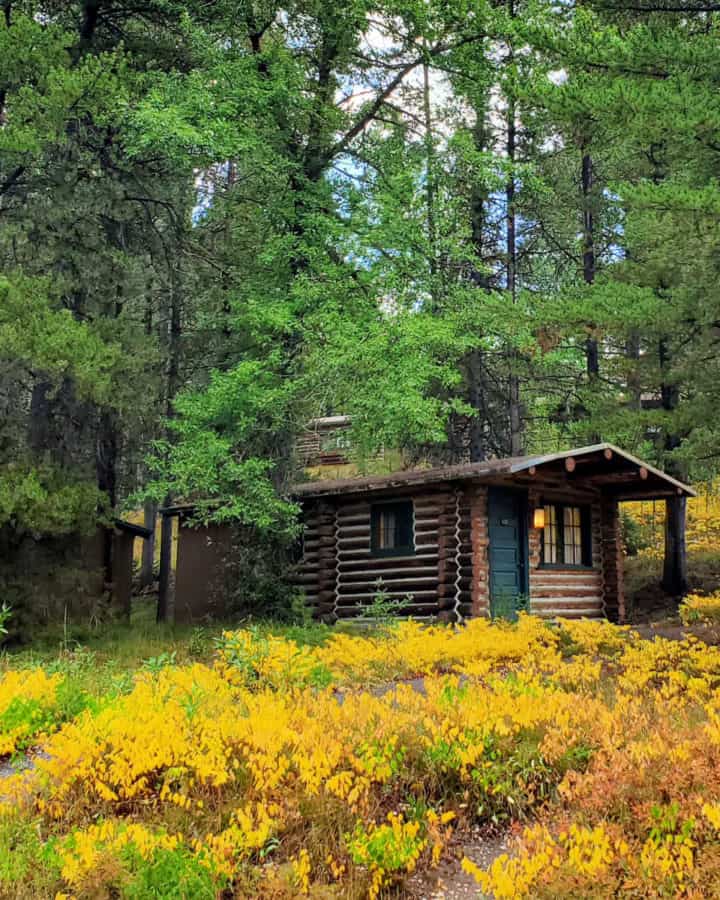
(132, 528)
(616, 471)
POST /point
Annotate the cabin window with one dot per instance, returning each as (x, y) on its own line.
(391, 529)
(333, 441)
(567, 536)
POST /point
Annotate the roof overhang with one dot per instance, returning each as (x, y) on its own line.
(612, 470)
(603, 467)
(132, 528)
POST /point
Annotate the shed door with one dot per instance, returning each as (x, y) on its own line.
(508, 550)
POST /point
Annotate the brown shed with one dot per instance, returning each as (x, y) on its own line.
(204, 551)
(537, 532)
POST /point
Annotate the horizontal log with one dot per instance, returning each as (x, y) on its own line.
(352, 521)
(373, 576)
(544, 574)
(349, 507)
(395, 593)
(354, 543)
(354, 555)
(426, 505)
(354, 529)
(384, 564)
(304, 578)
(428, 617)
(428, 510)
(424, 543)
(561, 491)
(389, 582)
(565, 601)
(619, 478)
(551, 575)
(348, 606)
(426, 525)
(566, 590)
(594, 614)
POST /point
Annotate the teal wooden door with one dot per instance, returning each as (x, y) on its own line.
(508, 552)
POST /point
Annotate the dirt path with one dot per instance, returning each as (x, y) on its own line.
(448, 881)
(8, 768)
(675, 631)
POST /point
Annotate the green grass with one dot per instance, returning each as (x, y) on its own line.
(99, 658)
(99, 664)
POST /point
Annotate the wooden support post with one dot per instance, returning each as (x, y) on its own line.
(164, 603)
(147, 575)
(612, 561)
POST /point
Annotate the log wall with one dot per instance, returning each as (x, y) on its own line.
(340, 576)
(448, 575)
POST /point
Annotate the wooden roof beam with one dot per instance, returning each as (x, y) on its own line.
(620, 477)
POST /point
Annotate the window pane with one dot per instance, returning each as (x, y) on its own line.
(550, 535)
(392, 527)
(388, 530)
(572, 535)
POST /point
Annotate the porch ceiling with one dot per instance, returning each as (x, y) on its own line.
(608, 469)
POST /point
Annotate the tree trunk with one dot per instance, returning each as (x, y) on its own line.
(589, 261)
(474, 366)
(675, 580)
(106, 455)
(147, 568)
(478, 451)
(172, 384)
(634, 381)
(516, 423)
(430, 183)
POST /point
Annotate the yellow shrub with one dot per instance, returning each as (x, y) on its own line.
(253, 773)
(26, 698)
(700, 608)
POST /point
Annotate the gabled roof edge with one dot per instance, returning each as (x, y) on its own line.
(530, 461)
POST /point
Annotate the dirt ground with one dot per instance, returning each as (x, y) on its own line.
(674, 630)
(448, 881)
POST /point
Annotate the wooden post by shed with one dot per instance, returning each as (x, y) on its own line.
(123, 534)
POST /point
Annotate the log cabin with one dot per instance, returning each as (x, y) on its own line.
(536, 533)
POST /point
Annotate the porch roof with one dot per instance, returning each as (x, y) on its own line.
(602, 466)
